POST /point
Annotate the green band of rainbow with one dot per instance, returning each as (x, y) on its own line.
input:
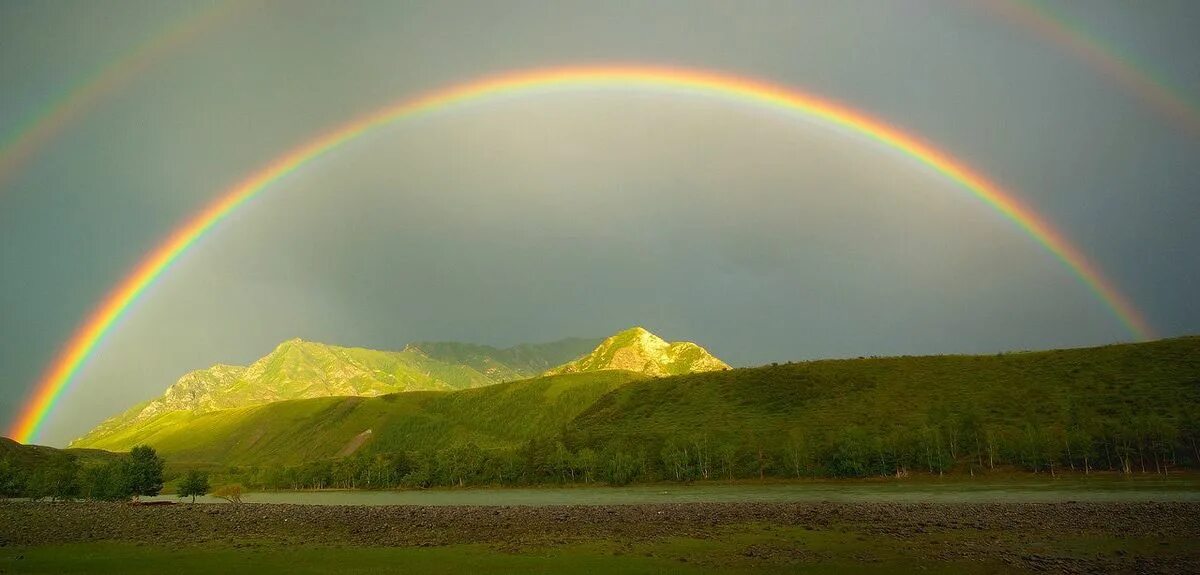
(84, 341)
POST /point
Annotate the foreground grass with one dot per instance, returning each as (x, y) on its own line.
(750, 548)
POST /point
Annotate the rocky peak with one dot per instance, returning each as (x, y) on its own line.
(637, 349)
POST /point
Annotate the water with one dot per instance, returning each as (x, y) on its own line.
(958, 490)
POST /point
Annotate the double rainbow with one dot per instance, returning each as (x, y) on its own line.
(83, 342)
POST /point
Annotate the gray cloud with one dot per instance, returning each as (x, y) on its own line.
(762, 236)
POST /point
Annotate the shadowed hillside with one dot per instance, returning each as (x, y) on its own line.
(1036, 409)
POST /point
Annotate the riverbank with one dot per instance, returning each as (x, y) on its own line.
(993, 537)
(948, 490)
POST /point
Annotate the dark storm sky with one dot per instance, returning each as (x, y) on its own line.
(758, 235)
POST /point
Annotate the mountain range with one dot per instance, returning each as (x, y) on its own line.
(1129, 405)
(298, 369)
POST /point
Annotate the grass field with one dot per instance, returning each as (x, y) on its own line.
(740, 549)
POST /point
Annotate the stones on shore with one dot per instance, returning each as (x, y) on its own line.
(514, 527)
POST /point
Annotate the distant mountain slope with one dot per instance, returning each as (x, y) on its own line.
(511, 363)
(291, 432)
(636, 349)
(298, 369)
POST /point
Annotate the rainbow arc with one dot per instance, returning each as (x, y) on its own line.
(60, 374)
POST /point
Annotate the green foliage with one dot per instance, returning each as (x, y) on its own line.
(194, 483)
(61, 477)
(12, 478)
(144, 471)
(106, 482)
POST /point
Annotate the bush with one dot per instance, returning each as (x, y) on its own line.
(231, 493)
(193, 484)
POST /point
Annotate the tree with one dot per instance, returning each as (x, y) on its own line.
(144, 471)
(193, 484)
(62, 477)
(231, 493)
(586, 461)
(12, 478)
(106, 482)
(850, 456)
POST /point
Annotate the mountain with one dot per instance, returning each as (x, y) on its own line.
(636, 349)
(507, 364)
(298, 369)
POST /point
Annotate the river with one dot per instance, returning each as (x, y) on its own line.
(931, 491)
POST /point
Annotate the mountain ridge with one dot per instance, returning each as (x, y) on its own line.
(299, 369)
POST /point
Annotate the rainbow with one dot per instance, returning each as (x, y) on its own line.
(41, 127)
(1135, 78)
(83, 342)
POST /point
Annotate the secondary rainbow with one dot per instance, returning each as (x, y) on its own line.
(41, 127)
(1134, 77)
(58, 376)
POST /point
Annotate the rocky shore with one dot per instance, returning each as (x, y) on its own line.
(997, 531)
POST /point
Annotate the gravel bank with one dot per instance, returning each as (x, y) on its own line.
(1011, 528)
(26, 523)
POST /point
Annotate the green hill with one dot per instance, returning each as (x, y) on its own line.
(23, 455)
(1029, 408)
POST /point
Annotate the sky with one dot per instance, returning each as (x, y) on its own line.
(759, 235)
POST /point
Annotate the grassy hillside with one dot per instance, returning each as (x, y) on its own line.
(32, 455)
(881, 395)
(291, 432)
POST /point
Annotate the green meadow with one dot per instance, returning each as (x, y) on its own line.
(748, 548)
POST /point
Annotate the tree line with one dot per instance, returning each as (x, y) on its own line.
(945, 443)
(61, 476)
